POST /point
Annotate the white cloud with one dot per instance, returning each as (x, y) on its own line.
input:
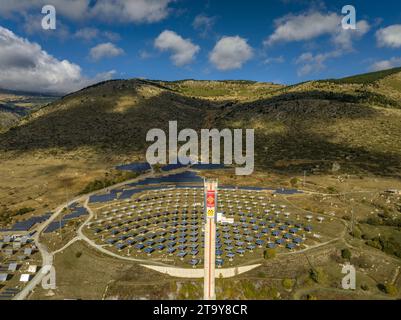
(386, 64)
(310, 63)
(105, 50)
(183, 50)
(32, 25)
(116, 11)
(389, 37)
(303, 27)
(72, 9)
(204, 24)
(144, 54)
(344, 38)
(279, 59)
(89, 34)
(112, 36)
(26, 66)
(137, 11)
(230, 53)
(314, 24)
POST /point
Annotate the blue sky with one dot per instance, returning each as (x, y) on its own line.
(285, 41)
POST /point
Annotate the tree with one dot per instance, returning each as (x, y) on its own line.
(356, 233)
(269, 254)
(346, 254)
(318, 275)
(288, 283)
(294, 182)
(390, 289)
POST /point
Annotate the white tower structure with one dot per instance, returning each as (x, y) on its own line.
(210, 239)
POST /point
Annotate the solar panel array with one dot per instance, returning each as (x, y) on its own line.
(171, 167)
(144, 166)
(135, 167)
(78, 212)
(26, 225)
(14, 261)
(169, 222)
(181, 179)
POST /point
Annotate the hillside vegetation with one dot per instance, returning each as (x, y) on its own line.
(223, 90)
(367, 78)
(111, 117)
(321, 127)
(303, 127)
(14, 105)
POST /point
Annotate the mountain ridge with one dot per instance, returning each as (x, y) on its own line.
(113, 117)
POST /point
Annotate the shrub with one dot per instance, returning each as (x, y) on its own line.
(294, 182)
(318, 275)
(288, 283)
(269, 254)
(346, 254)
(389, 289)
(23, 211)
(107, 182)
(331, 189)
(374, 243)
(356, 233)
(273, 293)
(387, 245)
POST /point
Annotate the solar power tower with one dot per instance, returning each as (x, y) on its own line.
(210, 238)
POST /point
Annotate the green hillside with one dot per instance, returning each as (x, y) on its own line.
(309, 126)
(367, 78)
(15, 105)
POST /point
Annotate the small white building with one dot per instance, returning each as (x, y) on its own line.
(25, 277)
(32, 268)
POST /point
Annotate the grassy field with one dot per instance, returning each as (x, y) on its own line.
(83, 273)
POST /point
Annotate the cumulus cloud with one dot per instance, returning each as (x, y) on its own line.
(204, 24)
(105, 50)
(89, 34)
(310, 63)
(394, 62)
(72, 9)
(303, 27)
(314, 24)
(32, 25)
(389, 36)
(344, 38)
(26, 66)
(230, 53)
(117, 11)
(183, 50)
(137, 11)
(274, 60)
(311, 25)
